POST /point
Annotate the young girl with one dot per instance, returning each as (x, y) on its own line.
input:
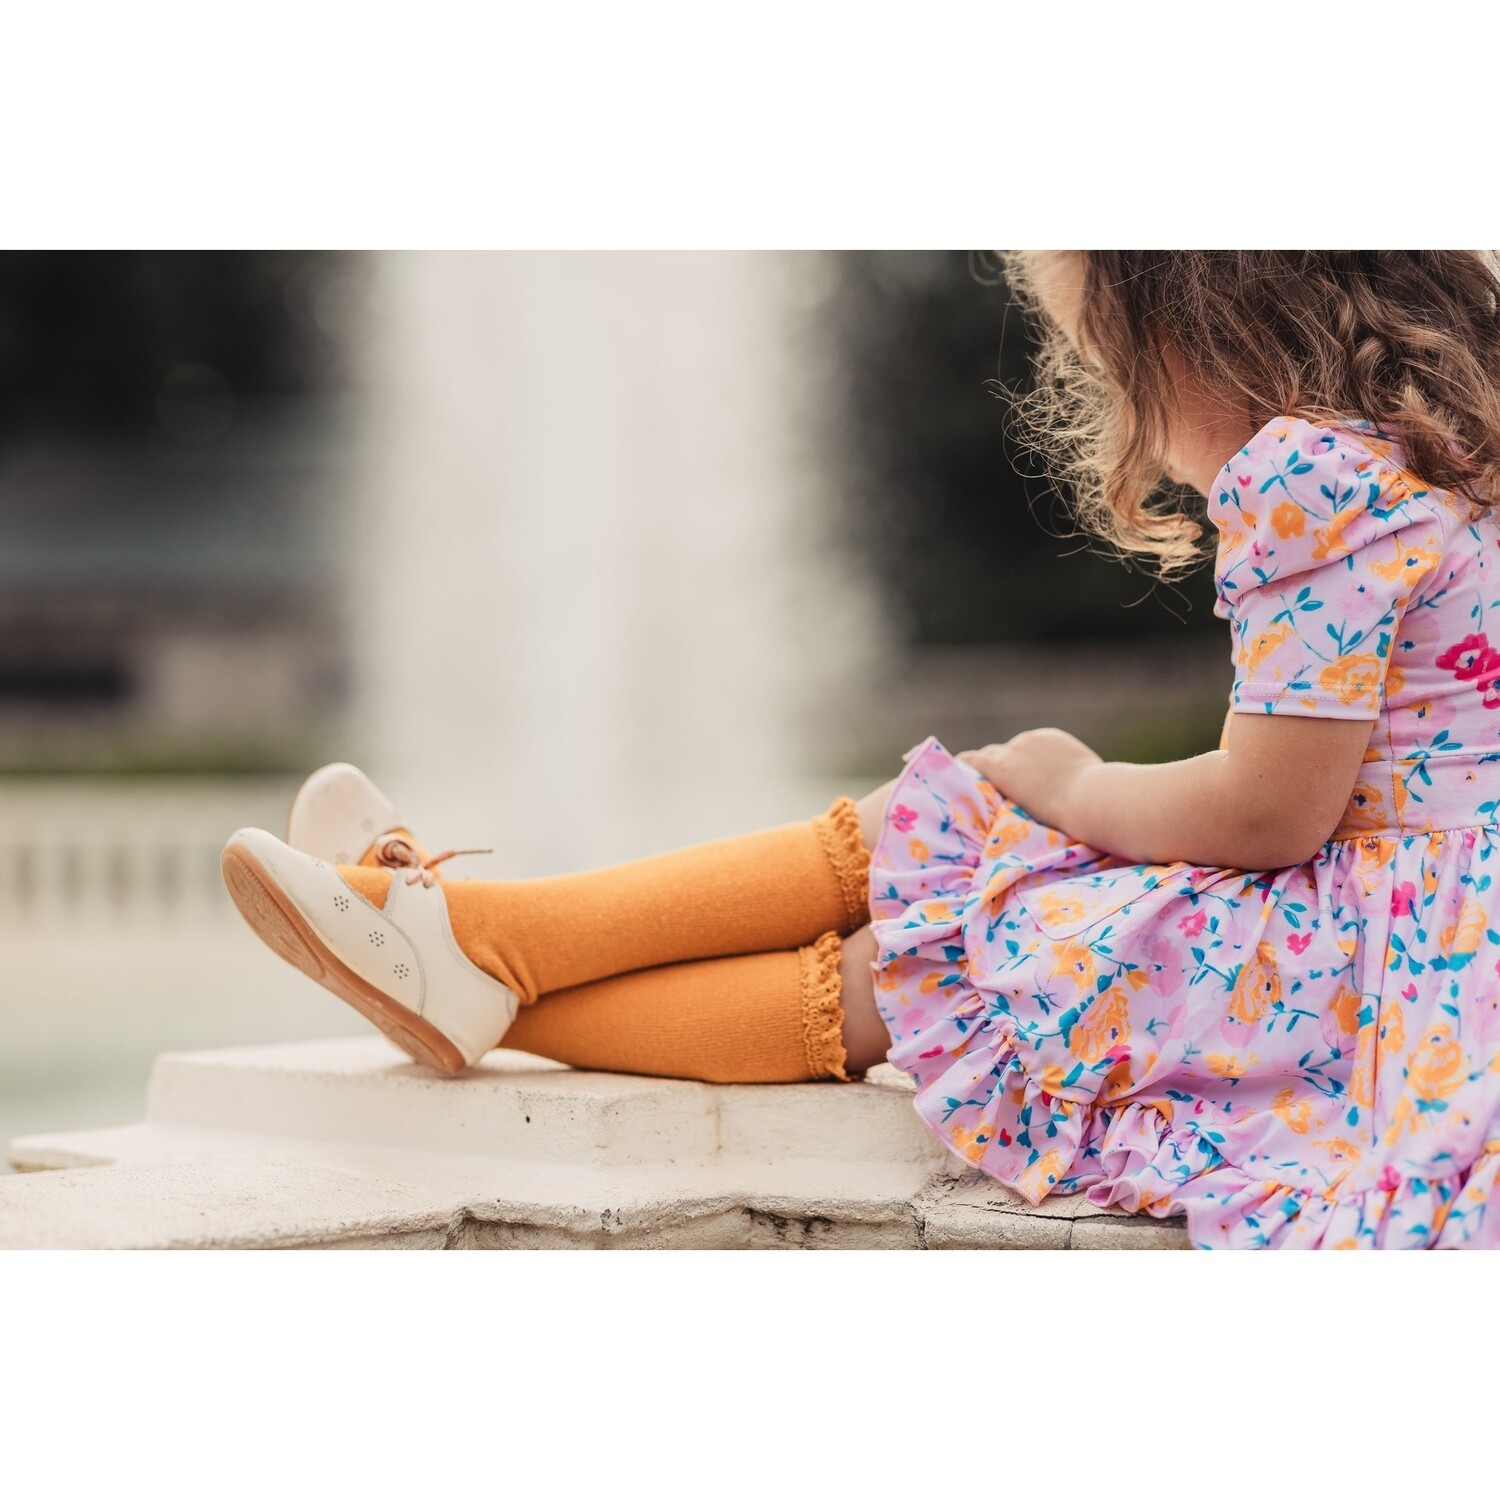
(1259, 987)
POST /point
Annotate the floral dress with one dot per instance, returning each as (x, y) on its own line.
(1305, 1057)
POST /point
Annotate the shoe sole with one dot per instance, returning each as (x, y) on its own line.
(275, 920)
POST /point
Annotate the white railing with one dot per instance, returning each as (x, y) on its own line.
(137, 854)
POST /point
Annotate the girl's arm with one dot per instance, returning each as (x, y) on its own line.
(1270, 798)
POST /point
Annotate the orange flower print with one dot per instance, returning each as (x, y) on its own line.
(1353, 679)
(1075, 958)
(1460, 940)
(1403, 1117)
(1007, 834)
(1435, 1070)
(1346, 1011)
(1057, 907)
(971, 1141)
(1042, 1175)
(966, 813)
(1362, 1080)
(1406, 564)
(919, 851)
(1392, 1027)
(1264, 645)
(1257, 986)
(1287, 519)
(1104, 1023)
(1295, 1114)
(1340, 1150)
(1366, 810)
(1330, 541)
(1226, 1065)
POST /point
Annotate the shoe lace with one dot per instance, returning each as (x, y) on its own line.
(398, 854)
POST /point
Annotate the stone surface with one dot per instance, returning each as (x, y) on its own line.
(345, 1144)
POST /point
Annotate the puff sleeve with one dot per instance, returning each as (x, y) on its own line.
(1324, 540)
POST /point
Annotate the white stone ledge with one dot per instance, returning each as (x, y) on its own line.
(347, 1145)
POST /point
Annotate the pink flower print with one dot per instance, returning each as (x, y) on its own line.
(1389, 1180)
(1164, 959)
(903, 819)
(1404, 900)
(1474, 660)
(1410, 992)
(1192, 925)
(1463, 659)
(1298, 941)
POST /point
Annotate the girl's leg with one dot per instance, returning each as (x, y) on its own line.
(870, 813)
(779, 889)
(754, 1018)
(866, 1041)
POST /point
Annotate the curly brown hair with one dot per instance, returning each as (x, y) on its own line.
(1409, 339)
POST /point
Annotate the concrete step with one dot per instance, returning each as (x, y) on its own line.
(347, 1144)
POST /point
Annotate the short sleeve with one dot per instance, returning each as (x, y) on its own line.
(1323, 542)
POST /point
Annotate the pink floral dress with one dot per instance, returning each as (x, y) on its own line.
(1293, 1058)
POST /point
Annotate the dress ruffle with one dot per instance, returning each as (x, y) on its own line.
(947, 883)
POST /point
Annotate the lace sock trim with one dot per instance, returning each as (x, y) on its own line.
(822, 1014)
(839, 833)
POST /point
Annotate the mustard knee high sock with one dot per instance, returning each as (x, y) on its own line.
(756, 1018)
(761, 892)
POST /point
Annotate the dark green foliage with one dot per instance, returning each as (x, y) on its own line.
(88, 337)
(970, 543)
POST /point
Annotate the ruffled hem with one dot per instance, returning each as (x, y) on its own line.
(1130, 1156)
(1060, 1132)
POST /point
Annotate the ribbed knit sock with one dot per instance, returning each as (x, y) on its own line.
(758, 1018)
(764, 892)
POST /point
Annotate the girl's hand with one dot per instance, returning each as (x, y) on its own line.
(1037, 769)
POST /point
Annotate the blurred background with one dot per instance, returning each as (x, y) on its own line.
(580, 555)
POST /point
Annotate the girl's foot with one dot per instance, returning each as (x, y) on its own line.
(338, 814)
(397, 964)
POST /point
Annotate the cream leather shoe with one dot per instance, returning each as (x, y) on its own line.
(338, 813)
(398, 965)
